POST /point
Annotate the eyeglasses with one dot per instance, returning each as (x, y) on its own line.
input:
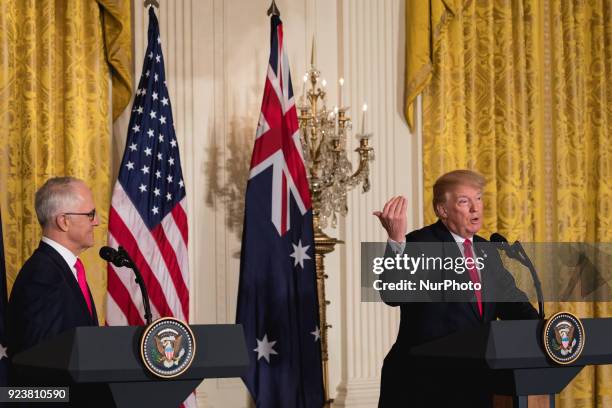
(91, 214)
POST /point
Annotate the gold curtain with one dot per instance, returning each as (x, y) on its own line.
(55, 115)
(520, 91)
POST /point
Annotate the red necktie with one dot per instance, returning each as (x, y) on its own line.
(83, 283)
(468, 253)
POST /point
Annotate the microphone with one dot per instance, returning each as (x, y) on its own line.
(120, 257)
(107, 253)
(503, 244)
(516, 251)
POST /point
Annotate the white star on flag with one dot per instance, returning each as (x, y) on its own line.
(299, 254)
(142, 188)
(130, 165)
(316, 333)
(151, 132)
(264, 348)
(136, 128)
(164, 101)
(133, 147)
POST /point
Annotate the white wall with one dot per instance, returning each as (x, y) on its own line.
(216, 56)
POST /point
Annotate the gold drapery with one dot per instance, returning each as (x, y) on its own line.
(520, 92)
(425, 20)
(55, 115)
(117, 28)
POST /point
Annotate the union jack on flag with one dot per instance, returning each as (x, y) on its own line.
(277, 295)
(148, 210)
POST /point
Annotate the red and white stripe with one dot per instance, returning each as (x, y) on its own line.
(160, 255)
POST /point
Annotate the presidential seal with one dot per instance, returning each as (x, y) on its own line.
(167, 347)
(563, 338)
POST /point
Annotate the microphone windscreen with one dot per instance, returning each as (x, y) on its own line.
(495, 237)
(107, 253)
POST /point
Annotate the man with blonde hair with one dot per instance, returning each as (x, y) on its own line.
(50, 294)
(458, 204)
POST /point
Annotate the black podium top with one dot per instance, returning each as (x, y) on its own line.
(511, 344)
(111, 354)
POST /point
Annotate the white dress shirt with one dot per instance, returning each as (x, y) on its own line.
(67, 254)
(460, 240)
(399, 247)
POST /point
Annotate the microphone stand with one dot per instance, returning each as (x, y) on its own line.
(129, 263)
(524, 259)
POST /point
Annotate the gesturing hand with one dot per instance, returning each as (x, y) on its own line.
(394, 219)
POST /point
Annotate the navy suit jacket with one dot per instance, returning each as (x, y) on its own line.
(403, 385)
(46, 300)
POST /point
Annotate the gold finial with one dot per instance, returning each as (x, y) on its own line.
(273, 10)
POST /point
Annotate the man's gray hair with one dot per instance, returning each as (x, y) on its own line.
(55, 196)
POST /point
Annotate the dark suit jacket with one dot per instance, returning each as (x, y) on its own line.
(46, 300)
(404, 385)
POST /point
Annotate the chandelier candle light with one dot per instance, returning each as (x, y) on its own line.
(324, 136)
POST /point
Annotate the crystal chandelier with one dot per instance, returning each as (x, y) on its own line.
(324, 141)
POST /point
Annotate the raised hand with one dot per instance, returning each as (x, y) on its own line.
(393, 218)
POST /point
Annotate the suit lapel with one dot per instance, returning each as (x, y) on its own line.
(69, 279)
(94, 313)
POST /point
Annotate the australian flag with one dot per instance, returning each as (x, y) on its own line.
(277, 295)
(3, 355)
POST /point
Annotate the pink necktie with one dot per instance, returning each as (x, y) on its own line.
(468, 253)
(83, 283)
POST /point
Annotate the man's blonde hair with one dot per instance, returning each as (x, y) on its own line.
(449, 181)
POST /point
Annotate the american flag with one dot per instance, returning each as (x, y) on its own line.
(277, 296)
(148, 210)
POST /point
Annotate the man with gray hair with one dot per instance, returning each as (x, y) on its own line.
(50, 294)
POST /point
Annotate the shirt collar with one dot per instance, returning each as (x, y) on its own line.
(459, 239)
(67, 254)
